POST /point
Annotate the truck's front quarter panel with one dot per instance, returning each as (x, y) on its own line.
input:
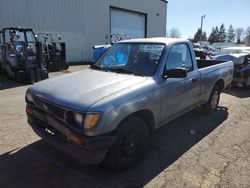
(117, 107)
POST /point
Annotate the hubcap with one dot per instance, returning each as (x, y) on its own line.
(129, 144)
(214, 100)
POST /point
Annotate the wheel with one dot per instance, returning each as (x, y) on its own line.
(247, 86)
(9, 72)
(203, 57)
(20, 76)
(44, 74)
(129, 147)
(211, 105)
(32, 76)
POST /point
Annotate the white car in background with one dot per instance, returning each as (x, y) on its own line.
(241, 59)
(210, 50)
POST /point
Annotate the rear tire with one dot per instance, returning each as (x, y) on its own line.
(44, 74)
(9, 72)
(211, 105)
(38, 75)
(247, 86)
(129, 147)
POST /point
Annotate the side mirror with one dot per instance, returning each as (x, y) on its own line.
(175, 73)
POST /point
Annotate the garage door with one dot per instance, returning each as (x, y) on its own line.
(130, 23)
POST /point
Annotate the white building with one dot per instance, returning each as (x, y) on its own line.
(247, 40)
(84, 23)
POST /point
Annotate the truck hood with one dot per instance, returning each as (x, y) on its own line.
(81, 89)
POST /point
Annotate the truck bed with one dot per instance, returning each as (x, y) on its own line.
(206, 63)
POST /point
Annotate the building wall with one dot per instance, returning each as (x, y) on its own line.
(81, 23)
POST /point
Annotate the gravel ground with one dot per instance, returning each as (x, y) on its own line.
(192, 151)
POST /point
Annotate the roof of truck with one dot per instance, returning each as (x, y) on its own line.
(163, 40)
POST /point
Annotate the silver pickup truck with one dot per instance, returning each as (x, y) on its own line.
(106, 113)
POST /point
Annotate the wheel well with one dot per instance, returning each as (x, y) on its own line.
(147, 116)
(220, 84)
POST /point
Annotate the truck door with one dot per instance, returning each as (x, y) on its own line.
(179, 95)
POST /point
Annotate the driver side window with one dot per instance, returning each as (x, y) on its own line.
(179, 57)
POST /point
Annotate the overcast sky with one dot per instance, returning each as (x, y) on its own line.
(186, 14)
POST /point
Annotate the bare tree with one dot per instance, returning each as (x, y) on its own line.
(239, 31)
(247, 31)
(175, 33)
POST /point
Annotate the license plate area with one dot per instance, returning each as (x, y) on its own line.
(50, 131)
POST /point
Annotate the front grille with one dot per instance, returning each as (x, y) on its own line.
(51, 130)
(52, 109)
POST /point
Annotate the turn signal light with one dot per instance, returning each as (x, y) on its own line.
(75, 139)
(29, 110)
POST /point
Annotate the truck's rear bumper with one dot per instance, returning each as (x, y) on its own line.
(92, 150)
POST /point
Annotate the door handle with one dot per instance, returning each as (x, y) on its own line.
(194, 79)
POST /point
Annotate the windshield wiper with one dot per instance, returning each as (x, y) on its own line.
(119, 70)
(95, 67)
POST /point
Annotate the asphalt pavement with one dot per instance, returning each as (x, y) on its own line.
(192, 151)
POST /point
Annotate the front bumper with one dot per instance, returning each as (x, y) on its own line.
(91, 151)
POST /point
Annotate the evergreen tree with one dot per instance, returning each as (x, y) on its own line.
(211, 36)
(199, 36)
(222, 33)
(230, 34)
(214, 35)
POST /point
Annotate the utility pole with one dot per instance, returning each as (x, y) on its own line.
(202, 17)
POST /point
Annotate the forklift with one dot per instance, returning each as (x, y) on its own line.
(54, 52)
(21, 55)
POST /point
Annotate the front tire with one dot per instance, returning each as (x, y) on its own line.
(129, 147)
(211, 105)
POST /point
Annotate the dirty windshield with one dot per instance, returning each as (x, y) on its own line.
(131, 58)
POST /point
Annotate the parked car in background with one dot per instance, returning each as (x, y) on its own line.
(211, 51)
(199, 52)
(241, 59)
(107, 113)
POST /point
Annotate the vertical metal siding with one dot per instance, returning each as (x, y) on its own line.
(86, 20)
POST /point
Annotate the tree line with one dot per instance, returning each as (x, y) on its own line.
(217, 35)
(221, 35)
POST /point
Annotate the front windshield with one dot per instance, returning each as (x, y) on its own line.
(30, 36)
(134, 58)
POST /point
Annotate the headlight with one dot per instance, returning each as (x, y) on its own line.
(78, 118)
(91, 120)
(29, 97)
(83, 121)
